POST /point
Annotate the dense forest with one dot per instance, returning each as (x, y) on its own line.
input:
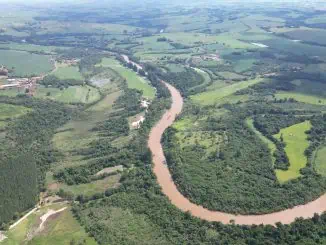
(26, 153)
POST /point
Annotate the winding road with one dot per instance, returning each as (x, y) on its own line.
(164, 179)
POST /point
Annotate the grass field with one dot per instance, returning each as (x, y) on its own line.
(230, 75)
(24, 63)
(134, 81)
(296, 143)
(212, 97)
(320, 161)
(29, 47)
(8, 111)
(12, 92)
(305, 98)
(243, 65)
(68, 72)
(89, 189)
(73, 94)
(62, 229)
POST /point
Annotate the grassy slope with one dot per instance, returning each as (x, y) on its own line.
(133, 80)
(25, 63)
(73, 94)
(212, 97)
(8, 111)
(296, 143)
(89, 189)
(305, 98)
(320, 161)
(68, 72)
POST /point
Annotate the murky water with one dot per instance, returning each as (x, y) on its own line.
(164, 179)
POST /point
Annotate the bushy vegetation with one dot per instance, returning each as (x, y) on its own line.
(52, 80)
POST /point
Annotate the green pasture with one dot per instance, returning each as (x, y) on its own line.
(151, 44)
(62, 27)
(24, 63)
(305, 98)
(320, 161)
(62, 229)
(212, 97)
(73, 94)
(134, 81)
(234, 99)
(29, 47)
(8, 111)
(230, 75)
(12, 92)
(243, 65)
(296, 144)
(94, 187)
(68, 72)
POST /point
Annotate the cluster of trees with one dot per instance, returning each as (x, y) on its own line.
(54, 81)
(26, 154)
(130, 101)
(316, 135)
(113, 128)
(184, 80)
(179, 45)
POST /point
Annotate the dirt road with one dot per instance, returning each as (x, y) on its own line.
(164, 179)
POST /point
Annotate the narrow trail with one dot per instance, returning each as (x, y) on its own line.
(164, 179)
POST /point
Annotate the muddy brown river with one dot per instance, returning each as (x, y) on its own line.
(164, 179)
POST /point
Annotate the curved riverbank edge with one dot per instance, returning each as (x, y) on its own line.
(165, 180)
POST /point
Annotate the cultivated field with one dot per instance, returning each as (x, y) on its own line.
(24, 63)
